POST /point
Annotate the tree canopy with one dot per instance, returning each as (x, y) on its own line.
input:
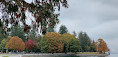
(30, 45)
(15, 43)
(43, 11)
(101, 46)
(71, 43)
(4, 42)
(51, 42)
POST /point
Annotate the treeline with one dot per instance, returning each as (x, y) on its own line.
(51, 42)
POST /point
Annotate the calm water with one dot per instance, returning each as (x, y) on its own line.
(112, 55)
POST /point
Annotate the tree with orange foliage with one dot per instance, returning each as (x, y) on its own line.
(16, 43)
(101, 46)
(51, 42)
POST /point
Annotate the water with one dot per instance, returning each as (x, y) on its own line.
(112, 55)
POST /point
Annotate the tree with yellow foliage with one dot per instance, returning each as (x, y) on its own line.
(71, 43)
(16, 43)
(51, 42)
(101, 46)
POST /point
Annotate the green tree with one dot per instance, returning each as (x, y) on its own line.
(74, 33)
(50, 29)
(63, 29)
(85, 41)
(93, 47)
(51, 42)
(4, 42)
(71, 44)
(75, 45)
(3, 34)
(18, 31)
(33, 34)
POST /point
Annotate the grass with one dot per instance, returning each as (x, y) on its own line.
(8, 55)
(88, 53)
(84, 52)
(5, 56)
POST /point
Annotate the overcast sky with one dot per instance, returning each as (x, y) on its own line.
(99, 18)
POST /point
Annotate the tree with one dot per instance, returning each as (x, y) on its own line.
(92, 47)
(101, 46)
(51, 42)
(31, 45)
(74, 33)
(18, 31)
(85, 41)
(42, 10)
(4, 42)
(3, 34)
(33, 35)
(15, 43)
(75, 45)
(71, 44)
(63, 29)
(50, 29)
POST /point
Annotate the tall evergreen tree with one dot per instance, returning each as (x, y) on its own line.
(18, 31)
(3, 34)
(74, 33)
(85, 41)
(93, 47)
(63, 29)
(33, 35)
(50, 29)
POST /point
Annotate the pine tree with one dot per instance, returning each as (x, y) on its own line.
(63, 29)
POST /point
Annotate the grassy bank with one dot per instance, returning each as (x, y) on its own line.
(88, 53)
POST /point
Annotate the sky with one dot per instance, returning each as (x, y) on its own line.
(98, 18)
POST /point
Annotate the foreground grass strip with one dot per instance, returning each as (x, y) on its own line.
(5, 56)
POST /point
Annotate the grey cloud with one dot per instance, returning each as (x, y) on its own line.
(99, 18)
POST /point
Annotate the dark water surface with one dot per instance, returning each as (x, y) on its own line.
(112, 55)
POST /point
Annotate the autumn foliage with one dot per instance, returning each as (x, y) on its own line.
(15, 43)
(101, 45)
(30, 44)
(51, 42)
(71, 43)
(41, 10)
(66, 40)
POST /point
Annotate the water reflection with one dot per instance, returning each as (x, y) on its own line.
(82, 56)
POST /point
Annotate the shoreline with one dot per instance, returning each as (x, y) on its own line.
(50, 55)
